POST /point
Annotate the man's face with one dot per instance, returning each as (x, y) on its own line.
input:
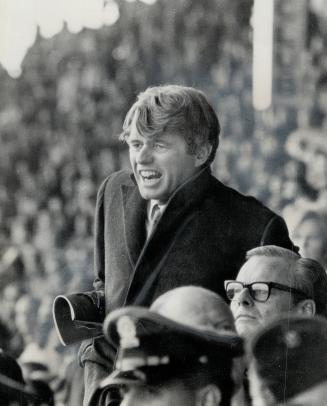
(174, 394)
(309, 235)
(249, 314)
(160, 164)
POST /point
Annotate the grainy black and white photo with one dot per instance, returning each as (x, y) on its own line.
(163, 203)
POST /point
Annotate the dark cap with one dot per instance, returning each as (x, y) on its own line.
(12, 385)
(291, 355)
(153, 348)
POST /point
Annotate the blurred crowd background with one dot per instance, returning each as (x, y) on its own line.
(59, 126)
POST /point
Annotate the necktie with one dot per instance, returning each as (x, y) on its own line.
(154, 218)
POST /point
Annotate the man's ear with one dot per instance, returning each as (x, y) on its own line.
(202, 153)
(210, 395)
(306, 307)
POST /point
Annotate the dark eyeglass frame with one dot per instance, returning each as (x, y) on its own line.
(269, 285)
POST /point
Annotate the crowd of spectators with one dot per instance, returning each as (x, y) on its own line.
(59, 127)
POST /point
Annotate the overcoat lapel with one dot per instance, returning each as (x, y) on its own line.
(180, 209)
(134, 207)
(182, 204)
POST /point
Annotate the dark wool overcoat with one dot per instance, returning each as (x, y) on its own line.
(201, 239)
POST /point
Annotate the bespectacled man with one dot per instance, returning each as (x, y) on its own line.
(274, 281)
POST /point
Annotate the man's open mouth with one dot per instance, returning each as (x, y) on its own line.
(150, 176)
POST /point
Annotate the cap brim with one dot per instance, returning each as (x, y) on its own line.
(120, 378)
(224, 341)
(18, 387)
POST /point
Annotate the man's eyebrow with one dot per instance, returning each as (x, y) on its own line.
(161, 138)
(134, 139)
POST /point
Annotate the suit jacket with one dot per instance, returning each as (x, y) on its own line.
(201, 239)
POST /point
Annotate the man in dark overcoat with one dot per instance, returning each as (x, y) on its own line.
(169, 222)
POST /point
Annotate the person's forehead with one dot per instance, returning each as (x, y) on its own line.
(169, 133)
(264, 269)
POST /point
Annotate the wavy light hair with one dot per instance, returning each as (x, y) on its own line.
(179, 109)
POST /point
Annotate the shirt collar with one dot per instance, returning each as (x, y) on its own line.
(151, 204)
(162, 206)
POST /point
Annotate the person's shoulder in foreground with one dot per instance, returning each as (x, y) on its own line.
(290, 366)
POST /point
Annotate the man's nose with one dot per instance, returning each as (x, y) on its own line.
(145, 155)
(244, 298)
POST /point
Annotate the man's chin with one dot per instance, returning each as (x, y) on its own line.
(151, 193)
(148, 195)
(247, 328)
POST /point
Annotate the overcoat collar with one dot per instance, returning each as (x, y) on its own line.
(134, 207)
(184, 200)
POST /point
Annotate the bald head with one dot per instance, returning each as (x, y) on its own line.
(196, 307)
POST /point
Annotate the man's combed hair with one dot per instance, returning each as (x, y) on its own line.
(306, 274)
(272, 251)
(311, 277)
(174, 108)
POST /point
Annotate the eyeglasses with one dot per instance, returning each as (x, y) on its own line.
(259, 291)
